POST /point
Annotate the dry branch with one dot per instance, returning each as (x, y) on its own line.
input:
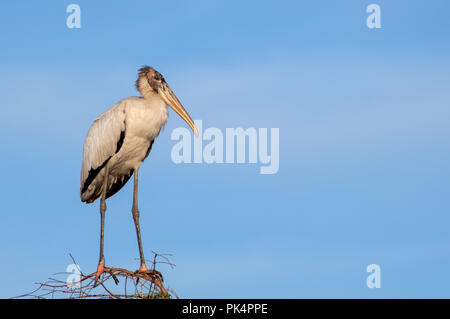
(114, 283)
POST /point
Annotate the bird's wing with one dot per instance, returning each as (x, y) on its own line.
(104, 139)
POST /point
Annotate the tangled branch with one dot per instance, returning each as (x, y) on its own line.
(114, 283)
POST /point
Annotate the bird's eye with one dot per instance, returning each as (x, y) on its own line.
(156, 77)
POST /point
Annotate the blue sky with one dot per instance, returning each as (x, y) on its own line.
(364, 119)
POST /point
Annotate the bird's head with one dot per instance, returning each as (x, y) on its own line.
(151, 83)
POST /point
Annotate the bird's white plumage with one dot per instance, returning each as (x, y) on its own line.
(140, 120)
(119, 140)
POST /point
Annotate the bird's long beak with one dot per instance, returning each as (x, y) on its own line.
(171, 100)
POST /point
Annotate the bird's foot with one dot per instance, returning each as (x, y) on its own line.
(100, 270)
(150, 272)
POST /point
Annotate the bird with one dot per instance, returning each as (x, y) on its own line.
(119, 140)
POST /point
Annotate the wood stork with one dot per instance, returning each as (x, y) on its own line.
(118, 142)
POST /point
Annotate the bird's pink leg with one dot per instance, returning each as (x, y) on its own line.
(100, 269)
(135, 211)
(101, 262)
(143, 268)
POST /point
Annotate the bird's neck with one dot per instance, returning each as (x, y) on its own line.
(149, 95)
(154, 102)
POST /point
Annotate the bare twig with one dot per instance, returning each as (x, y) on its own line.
(147, 285)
